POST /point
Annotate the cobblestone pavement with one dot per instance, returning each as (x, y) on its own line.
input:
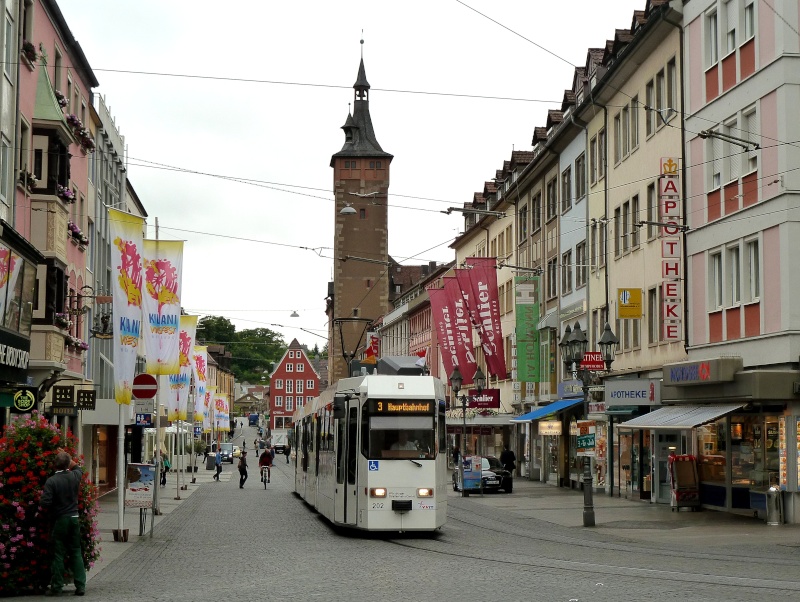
(222, 542)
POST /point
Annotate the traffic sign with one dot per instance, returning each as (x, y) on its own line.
(145, 386)
(593, 360)
(144, 420)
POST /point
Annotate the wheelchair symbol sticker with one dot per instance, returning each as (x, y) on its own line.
(374, 465)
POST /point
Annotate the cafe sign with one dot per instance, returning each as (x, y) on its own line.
(550, 428)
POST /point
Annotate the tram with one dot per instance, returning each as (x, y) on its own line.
(371, 451)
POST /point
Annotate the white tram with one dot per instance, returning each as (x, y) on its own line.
(371, 450)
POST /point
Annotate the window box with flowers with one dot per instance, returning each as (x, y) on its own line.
(65, 194)
(76, 234)
(81, 133)
(62, 100)
(27, 180)
(62, 321)
(29, 53)
(76, 343)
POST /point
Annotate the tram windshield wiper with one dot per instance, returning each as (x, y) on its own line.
(415, 462)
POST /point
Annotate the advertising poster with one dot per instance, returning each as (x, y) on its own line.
(472, 472)
(782, 467)
(126, 294)
(139, 484)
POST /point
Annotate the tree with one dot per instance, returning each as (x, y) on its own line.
(255, 352)
(215, 329)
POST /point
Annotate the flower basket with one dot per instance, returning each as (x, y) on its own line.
(77, 234)
(27, 179)
(29, 51)
(62, 321)
(76, 343)
(81, 132)
(65, 194)
(62, 100)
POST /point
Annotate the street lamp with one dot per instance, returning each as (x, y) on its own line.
(455, 383)
(573, 346)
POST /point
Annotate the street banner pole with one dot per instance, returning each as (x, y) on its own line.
(121, 473)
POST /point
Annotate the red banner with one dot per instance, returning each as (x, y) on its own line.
(462, 326)
(486, 312)
(444, 317)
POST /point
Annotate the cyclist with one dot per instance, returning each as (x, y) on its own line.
(264, 463)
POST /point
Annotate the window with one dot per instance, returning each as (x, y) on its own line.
(618, 234)
(552, 275)
(733, 152)
(653, 321)
(298, 386)
(581, 269)
(593, 160)
(566, 190)
(601, 153)
(715, 155)
(753, 270)
(5, 170)
(617, 138)
(291, 354)
(536, 213)
(279, 383)
(290, 386)
(625, 131)
(362, 213)
(580, 177)
(650, 100)
(603, 248)
(626, 226)
(712, 39)
(279, 402)
(8, 47)
(566, 273)
(749, 21)
(552, 199)
(661, 96)
(715, 284)
(289, 367)
(290, 404)
(635, 108)
(636, 334)
(309, 385)
(634, 229)
(301, 367)
(672, 90)
(652, 211)
(735, 279)
(750, 131)
(593, 246)
(523, 223)
(733, 21)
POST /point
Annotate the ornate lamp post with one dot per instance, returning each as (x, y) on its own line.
(455, 383)
(573, 345)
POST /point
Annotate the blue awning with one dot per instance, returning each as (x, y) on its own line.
(556, 406)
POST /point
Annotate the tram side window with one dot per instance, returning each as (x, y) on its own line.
(340, 452)
(442, 430)
(352, 449)
(402, 437)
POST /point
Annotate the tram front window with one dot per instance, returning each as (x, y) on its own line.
(401, 437)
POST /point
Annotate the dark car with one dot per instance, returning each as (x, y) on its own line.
(493, 475)
(226, 452)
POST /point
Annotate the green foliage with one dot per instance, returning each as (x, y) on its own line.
(27, 453)
(215, 329)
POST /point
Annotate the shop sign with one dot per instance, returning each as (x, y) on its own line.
(710, 371)
(14, 357)
(671, 255)
(488, 399)
(633, 392)
(64, 401)
(527, 318)
(630, 303)
(572, 311)
(139, 484)
(21, 400)
(570, 388)
(597, 407)
(586, 438)
(86, 399)
(550, 428)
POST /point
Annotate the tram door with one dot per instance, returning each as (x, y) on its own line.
(344, 510)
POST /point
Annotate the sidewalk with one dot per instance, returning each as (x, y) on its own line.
(107, 517)
(636, 521)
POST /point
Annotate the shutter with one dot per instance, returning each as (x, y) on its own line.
(733, 15)
(716, 162)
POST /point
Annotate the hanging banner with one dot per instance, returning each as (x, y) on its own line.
(126, 294)
(527, 310)
(10, 268)
(462, 327)
(221, 415)
(162, 267)
(199, 361)
(179, 383)
(485, 308)
(443, 315)
(209, 416)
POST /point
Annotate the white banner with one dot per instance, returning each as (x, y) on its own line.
(179, 383)
(199, 367)
(162, 267)
(126, 292)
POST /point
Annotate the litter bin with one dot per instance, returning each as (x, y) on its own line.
(210, 464)
(774, 507)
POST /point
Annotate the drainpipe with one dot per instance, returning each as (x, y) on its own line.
(17, 143)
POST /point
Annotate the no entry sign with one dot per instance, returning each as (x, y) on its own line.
(145, 386)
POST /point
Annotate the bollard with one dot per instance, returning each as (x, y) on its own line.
(774, 507)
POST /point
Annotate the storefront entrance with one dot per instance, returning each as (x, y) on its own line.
(666, 443)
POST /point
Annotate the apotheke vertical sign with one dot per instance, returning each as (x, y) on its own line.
(671, 251)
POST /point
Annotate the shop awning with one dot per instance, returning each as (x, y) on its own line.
(680, 417)
(550, 320)
(556, 406)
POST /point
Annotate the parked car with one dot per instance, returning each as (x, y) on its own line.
(226, 452)
(493, 475)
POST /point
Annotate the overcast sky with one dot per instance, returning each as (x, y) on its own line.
(246, 101)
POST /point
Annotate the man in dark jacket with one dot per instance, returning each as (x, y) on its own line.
(242, 469)
(508, 459)
(60, 497)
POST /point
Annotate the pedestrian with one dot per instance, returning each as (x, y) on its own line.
(242, 469)
(255, 443)
(265, 461)
(287, 450)
(218, 464)
(272, 452)
(456, 456)
(508, 459)
(165, 466)
(60, 499)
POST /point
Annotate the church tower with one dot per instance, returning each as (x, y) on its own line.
(360, 290)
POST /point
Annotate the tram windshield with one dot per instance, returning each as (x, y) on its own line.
(401, 437)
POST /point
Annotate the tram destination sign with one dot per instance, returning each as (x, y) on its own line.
(398, 407)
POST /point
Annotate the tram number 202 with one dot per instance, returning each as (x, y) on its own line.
(377, 505)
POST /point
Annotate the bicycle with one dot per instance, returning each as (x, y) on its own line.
(265, 474)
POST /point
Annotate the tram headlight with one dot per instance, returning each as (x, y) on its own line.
(424, 492)
(377, 492)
